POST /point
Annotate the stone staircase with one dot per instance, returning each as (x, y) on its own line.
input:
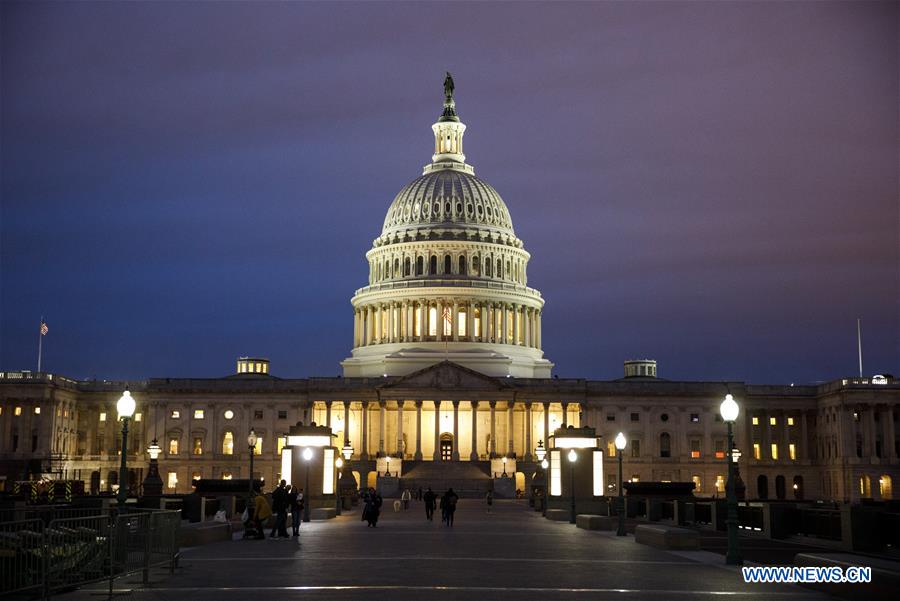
(469, 479)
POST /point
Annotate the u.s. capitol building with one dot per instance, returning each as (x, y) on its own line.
(447, 374)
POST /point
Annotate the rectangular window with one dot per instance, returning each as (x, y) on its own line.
(611, 449)
(173, 446)
(792, 452)
(598, 473)
(432, 321)
(17, 411)
(461, 322)
(757, 453)
(257, 414)
(635, 448)
(774, 450)
(281, 442)
(257, 450)
(790, 421)
(755, 420)
(773, 421)
(176, 414)
(102, 416)
(610, 417)
(198, 446)
(37, 410)
(719, 417)
(172, 482)
(198, 413)
(720, 449)
(555, 480)
(138, 417)
(417, 322)
(635, 478)
(696, 480)
(720, 484)
(695, 448)
(695, 418)
(635, 417)
(282, 415)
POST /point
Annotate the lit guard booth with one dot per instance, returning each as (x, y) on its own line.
(575, 473)
(308, 462)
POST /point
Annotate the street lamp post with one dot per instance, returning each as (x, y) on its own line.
(125, 406)
(153, 482)
(540, 452)
(307, 456)
(251, 446)
(545, 464)
(620, 448)
(729, 410)
(572, 457)
(504, 467)
(387, 470)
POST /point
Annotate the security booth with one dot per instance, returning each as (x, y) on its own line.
(575, 472)
(308, 461)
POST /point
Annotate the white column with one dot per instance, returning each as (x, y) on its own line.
(455, 452)
(509, 427)
(439, 316)
(515, 309)
(437, 430)
(526, 323)
(493, 450)
(346, 423)
(418, 455)
(504, 326)
(381, 419)
(328, 413)
(455, 332)
(379, 315)
(390, 323)
(546, 407)
(565, 414)
(528, 427)
(400, 429)
(423, 320)
(364, 452)
(370, 325)
(473, 456)
(470, 321)
(538, 329)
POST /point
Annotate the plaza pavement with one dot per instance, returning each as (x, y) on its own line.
(512, 553)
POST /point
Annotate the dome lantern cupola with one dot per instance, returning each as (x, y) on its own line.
(448, 136)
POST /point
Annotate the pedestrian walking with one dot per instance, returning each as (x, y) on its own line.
(489, 498)
(280, 508)
(372, 508)
(448, 505)
(405, 497)
(429, 498)
(295, 501)
(419, 496)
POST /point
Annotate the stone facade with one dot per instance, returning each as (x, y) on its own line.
(835, 441)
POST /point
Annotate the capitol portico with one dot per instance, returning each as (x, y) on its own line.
(447, 276)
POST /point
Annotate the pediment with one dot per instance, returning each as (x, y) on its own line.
(447, 375)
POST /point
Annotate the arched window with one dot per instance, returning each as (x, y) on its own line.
(798, 487)
(420, 265)
(432, 265)
(476, 265)
(396, 267)
(462, 265)
(762, 487)
(499, 268)
(780, 487)
(487, 267)
(406, 266)
(448, 264)
(228, 443)
(508, 270)
(387, 268)
(885, 487)
(378, 272)
(665, 445)
(865, 486)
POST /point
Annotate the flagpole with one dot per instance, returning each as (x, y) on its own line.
(40, 343)
(859, 345)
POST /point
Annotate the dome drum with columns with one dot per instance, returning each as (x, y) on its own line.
(447, 276)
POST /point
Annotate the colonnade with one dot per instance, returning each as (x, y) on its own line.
(424, 320)
(496, 411)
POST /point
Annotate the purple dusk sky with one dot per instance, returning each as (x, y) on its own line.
(713, 185)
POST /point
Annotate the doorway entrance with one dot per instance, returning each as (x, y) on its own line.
(446, 447)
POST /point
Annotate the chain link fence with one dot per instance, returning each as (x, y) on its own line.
(44, 555)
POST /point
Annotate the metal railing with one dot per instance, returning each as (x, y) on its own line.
(41, 557)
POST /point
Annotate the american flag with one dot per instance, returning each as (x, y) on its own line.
(44, 328)
(448, 316)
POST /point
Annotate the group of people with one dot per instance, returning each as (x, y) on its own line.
(285, 498)
(447, 505)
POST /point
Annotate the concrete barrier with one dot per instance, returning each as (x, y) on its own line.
(667, 537)
(322, 513)
(885, 575)
(192, 535)
(558, 515)
(595, 522)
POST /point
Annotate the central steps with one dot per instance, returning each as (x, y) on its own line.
(469, 479)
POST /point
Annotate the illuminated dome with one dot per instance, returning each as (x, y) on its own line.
(448, 202)
(447, 276)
